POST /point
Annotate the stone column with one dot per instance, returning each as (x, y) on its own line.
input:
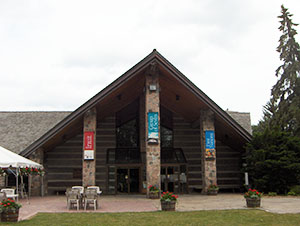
(208, 149)
(38, 185)
(152, 145)
(89, 166)
(2, 181)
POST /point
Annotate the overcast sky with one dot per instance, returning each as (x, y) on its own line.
(55, 55)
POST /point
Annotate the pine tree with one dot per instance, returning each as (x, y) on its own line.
(283, 109)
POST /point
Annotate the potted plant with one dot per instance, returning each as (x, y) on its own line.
(253, 198)
(9, 210)
(153, 192)
(212, 189)
(168, 201)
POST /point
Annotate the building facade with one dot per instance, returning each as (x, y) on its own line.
(151, 126)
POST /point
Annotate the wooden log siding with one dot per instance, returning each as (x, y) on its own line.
(106, 138)
(228, 167)
(64, 162)
(188, 139)
(228, 160)
(64, 165)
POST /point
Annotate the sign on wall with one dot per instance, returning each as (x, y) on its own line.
(88, 145)
(153, 125)
(210, 151)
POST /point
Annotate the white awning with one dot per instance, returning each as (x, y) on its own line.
(11, 159)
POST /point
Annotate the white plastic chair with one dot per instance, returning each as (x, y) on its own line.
(80, 188)
(73, 198)
(90, 197)
(10, 192)
(99, 192)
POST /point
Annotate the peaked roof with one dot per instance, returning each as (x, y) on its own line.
(156, 57)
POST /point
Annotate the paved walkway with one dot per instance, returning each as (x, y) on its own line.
(138, 203)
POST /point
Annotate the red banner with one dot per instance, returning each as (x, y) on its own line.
(88, 140)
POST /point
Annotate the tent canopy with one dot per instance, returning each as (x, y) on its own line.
(11, 159)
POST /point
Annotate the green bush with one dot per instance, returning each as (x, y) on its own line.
(292, 193)
(272, 194)
(273, 161)
(295, 189)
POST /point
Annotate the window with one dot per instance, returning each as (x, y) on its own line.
(127, 126)
(127, 134)
(166, 137)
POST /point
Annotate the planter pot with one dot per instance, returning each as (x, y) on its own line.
(212, 192)
(168, 205)
(10, 216)
(252, 203)
(153, 195)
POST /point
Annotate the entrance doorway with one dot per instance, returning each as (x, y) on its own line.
(128, 180)
(168, 178)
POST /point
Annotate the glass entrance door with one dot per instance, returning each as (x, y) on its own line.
(128, 180)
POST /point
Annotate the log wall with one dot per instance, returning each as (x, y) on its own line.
(228, 160)
(64, 165)
(64, 162)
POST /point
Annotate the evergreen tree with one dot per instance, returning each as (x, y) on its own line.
(273, 155)
(273, 161)
(283, 108)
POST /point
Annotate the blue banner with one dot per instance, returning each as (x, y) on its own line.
(209, 139)
(152, 125)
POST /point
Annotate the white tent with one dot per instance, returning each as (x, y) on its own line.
(9, 159)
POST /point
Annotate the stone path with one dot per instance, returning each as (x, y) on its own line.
(138, 203)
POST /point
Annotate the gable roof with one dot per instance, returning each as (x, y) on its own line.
(164, 64)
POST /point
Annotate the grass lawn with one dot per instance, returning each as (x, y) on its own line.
(221, 217)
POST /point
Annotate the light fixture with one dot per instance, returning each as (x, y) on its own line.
(152, 87)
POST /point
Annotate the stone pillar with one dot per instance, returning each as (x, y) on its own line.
(2, 181)
(208, 149)
(89, 145)
(38, 183)
(152, 145)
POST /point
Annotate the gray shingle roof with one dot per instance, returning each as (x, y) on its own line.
(19, 129)
(243, 118)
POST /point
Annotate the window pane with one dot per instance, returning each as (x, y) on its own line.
(127, 135)
(166, 137)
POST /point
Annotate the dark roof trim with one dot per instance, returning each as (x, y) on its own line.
(118, 82)
(209, 102)
(88, 105)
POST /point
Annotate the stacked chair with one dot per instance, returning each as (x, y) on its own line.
(83, 198)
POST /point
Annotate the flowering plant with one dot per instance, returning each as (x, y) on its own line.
(168, 196)
(9, 204)
(31, 171)
(253, 194)
(213, 187)
(153, 188)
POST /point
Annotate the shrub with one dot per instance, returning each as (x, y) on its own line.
(295, 189)
(272, 194)
(292, 193)
(273, 161)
